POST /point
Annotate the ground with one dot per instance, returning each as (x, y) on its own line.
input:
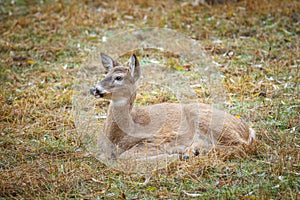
(44, 44)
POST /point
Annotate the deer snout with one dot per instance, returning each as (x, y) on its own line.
(98, 91)
(93, 91)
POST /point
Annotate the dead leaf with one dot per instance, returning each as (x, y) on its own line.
(31, 62)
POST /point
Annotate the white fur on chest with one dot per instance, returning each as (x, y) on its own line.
(120, 102)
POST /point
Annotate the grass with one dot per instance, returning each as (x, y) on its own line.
(44, 45)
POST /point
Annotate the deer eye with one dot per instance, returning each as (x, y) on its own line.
(118, 78)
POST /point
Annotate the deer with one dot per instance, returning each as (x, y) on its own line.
(165, 129)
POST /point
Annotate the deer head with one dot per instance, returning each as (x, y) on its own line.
(119, 84)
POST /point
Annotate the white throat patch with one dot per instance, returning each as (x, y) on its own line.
(120, 102)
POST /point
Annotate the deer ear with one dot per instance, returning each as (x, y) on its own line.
(107, 61)
(134, 67)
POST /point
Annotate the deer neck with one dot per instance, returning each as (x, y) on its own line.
(120, 110)
(119, 122)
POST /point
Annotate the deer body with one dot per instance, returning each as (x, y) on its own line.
(161, 129)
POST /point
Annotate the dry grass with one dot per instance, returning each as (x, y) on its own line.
(43, 45)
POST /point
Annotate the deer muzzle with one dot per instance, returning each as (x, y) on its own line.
(99, 92)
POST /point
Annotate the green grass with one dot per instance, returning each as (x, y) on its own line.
(44, 45)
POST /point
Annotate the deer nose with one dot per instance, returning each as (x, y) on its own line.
(93, 91)
(97, 92)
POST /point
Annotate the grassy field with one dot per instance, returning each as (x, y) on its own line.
(43, 45)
